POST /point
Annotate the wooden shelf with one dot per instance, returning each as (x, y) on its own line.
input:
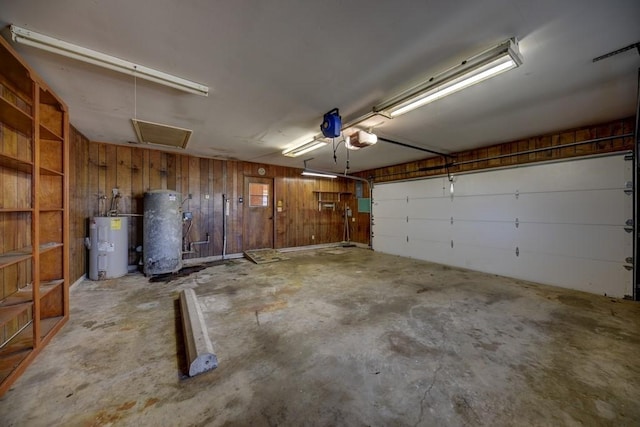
(330, 199)
(15, 163)
(331, 192)
(15, 210)
(8, 313)
(47, 287)
(15, 69)
(15, 351)
(25, 294)
(46, 133)
(14, 257)
(47, 171)
(49, 246)
(23, 341)
(28, 106)
(18, 348)
(11, 360)
(15, 117)
(46, 97)
(50, 325)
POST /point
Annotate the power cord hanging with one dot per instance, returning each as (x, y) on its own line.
(135, 94)
(336, 146)
(346, 170)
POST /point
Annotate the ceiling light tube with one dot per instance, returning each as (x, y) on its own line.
(318, 174)
(304, 148)
(60, 47)
(483, 66)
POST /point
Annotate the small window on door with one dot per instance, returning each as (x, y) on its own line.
(258, 195)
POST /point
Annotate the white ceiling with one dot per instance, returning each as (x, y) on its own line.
(275, 67)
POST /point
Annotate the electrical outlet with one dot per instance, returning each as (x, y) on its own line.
(206, 197)
(353, 219)
(313, 237)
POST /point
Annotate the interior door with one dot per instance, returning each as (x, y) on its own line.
(258, 213)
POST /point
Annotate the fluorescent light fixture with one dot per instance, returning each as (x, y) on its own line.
(304, 148)
(60, 47)
(318, 174)
(483, 66)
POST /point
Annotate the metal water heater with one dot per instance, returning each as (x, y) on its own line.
(162, 232)
(108, 245)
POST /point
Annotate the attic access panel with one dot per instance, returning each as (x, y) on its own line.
(159, 134)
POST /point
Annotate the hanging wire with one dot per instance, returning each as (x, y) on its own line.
(336, 146)
(448, 172)
(135, 94)
(346, 170)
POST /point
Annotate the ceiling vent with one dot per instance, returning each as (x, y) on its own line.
(156, 133)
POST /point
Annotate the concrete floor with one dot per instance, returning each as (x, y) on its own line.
(338, 336)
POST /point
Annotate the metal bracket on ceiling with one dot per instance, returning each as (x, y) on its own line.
(618, 51)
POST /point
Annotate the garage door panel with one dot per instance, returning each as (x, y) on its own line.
(430, 250)
(487, 235)
(597, 173)
(570, 223)
(433, 208)
(391, 226)
(387, 209)
(432, 230)
(599, 277)
(390, 244)
(424, 188)
(480, 259)
(387, 192)
(574, 207)
(575, 241)
(498, 207)
(499, 182)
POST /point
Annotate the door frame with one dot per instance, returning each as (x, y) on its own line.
(245, 209)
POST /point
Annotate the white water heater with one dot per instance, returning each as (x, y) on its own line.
(108, 245)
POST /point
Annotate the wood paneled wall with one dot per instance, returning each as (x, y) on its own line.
(80, 203)
(97, 168)
(561, 146)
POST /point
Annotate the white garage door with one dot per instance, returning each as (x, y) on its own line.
(558, 223)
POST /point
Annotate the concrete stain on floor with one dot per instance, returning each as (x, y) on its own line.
(337, 336)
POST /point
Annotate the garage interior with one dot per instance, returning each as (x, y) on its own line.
(390, 214)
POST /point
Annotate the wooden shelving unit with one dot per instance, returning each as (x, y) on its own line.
(328, 200)
(34, 215)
